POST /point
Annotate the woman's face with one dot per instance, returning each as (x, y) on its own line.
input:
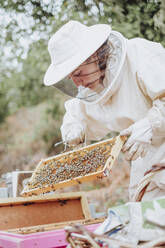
(87, 74)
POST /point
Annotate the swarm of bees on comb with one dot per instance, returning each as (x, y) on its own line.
(71, 167)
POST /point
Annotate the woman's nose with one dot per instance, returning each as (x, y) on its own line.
(78, 82)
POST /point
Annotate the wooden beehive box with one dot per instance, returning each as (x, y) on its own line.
(32, 214)
(74, 167)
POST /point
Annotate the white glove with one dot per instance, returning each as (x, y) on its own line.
(139, 141)
(74, 137)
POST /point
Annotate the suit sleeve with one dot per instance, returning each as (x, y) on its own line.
(77, 120)
(152, 79)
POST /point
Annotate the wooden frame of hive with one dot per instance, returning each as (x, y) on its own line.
(45, 212)
(115, 150)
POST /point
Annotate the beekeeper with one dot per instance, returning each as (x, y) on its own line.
(117, 85)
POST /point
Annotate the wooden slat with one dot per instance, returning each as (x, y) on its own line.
(41, 198)
(115, 152)
(55, 226)
(85, 207)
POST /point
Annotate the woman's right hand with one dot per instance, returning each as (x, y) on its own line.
(74, 137)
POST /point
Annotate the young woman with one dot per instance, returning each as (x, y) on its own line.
(117, 85)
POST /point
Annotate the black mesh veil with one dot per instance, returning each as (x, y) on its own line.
(88, 94)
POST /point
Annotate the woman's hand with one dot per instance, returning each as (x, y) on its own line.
(74, 137)
(139, 141)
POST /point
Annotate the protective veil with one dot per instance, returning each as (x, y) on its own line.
(116, 52)
(136, 91)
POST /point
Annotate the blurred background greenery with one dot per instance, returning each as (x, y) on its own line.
(30, 113)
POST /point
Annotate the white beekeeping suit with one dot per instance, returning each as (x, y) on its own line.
(134, 101)
(138, 92)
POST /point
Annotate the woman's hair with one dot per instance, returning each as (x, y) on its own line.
(102, 54)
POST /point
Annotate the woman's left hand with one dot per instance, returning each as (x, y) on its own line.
(139, 141)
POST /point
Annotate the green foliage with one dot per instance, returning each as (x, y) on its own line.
(25, 88)
(53, 119)
(54, 111)
(4, 110)
(39, 10)
(134, 18)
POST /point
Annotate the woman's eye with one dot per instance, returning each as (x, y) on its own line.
(77, 73)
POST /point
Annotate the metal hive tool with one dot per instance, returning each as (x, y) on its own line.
(74, 167)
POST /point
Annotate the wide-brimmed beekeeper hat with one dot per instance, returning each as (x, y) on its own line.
(70, 46)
